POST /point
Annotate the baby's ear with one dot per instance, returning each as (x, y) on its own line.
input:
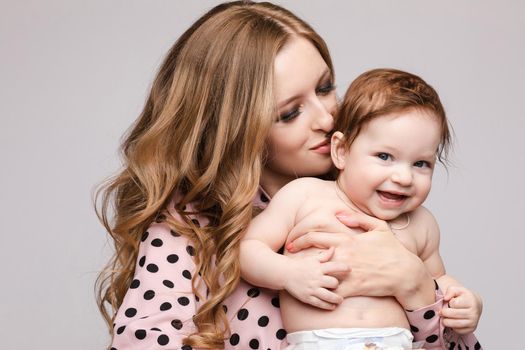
(338, 151)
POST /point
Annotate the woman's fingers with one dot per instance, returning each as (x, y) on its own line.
(363, 221)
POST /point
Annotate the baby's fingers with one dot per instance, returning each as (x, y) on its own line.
(329, 282)
(447, 312)
(334, 268)
(321, 304)
(457, 323)
(328, 296)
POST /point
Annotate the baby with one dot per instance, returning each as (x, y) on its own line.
(390, 131)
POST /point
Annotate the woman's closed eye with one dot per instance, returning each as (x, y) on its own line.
(325, 89)
(290, 115)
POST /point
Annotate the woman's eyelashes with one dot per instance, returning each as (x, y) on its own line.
(291, 114)
(325, 89)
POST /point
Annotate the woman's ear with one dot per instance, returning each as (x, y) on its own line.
(338, 151)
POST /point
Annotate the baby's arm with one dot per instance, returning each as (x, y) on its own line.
(308, 279)
(464, 306)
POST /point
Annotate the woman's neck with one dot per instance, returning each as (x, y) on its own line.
(272, 182)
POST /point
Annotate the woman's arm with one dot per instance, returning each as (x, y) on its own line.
(157, 310)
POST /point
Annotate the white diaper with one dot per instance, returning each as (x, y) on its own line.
(391, 338)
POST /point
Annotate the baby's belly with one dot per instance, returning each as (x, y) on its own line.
(355, 312)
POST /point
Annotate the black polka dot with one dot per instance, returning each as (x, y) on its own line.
(174, 234)
(477, 346)
(113, 349)
(177, 324)
(142, 261)
(134, 284)
(168, 283)
(254, 292)
(155, 329)
(242, 314)
(152, 268)
(234, 339)
(157, 242)
(140, 334)
(281, 334)
(186, 347)
(183, 301)
(190, 250)
(452, 346)
(254, 344)
(263, 321)
(431, 338)
(172, 258)
(459, 346)
(196, 222)
(414, 329)
(186, 274)
(144, 236)
(264, 199)
(225, 308)
(130, 312)
(165, 306)
(275, 302)
(121, 329)
(429, 314)
(163, 339)
(149, 294)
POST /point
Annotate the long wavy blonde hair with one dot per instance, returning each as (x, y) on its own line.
(202, 135)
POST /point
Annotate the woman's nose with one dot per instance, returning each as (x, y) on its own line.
(324, 119)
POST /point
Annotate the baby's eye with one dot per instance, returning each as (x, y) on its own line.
(384, 156)
(422, 164)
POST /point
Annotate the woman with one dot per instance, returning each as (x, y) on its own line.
(244, 97)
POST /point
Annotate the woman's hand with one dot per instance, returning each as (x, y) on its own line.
(380, 264)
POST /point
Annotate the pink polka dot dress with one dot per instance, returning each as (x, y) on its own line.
(158, 308)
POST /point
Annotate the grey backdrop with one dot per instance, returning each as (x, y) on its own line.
(74, 75)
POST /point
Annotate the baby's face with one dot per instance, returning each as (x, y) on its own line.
(388, 169)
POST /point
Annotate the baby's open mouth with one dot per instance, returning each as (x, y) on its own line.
(392, 196)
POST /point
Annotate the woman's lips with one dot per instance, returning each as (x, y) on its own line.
(322, 147)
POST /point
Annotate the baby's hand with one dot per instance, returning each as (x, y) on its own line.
(463, 311)
(310, 278)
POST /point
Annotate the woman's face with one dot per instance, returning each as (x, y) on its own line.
(298, 143)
